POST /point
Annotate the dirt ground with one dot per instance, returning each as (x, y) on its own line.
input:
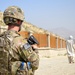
(56, 65)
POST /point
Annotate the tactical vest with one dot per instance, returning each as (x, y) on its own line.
(5, 54)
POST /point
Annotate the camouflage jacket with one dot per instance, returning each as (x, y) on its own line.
(18, 53)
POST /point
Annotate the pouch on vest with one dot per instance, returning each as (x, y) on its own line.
(3, 58)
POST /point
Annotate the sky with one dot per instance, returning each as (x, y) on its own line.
(46, 14)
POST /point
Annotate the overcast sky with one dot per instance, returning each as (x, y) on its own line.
(47, 14)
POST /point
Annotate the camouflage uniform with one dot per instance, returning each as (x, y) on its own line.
(19, 54)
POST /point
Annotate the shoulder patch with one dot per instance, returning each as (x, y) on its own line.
(27, 46)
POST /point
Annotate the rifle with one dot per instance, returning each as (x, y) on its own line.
(32, 40)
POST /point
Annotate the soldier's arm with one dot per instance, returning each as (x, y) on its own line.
(30, 55)
(26, 52)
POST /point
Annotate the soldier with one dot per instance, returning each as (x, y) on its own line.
(20, 59)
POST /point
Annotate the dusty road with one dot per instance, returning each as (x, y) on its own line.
(55, 66)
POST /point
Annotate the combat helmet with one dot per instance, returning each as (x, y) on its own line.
(12, 15)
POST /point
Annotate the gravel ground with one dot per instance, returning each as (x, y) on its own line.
(55, 66)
